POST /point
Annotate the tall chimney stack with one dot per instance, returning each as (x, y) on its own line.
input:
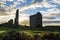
(16, 17)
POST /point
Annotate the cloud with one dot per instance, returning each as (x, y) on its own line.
(33, 5)
(13, 0)
(5, 18)
(22, 18)
(22, 0)
(9, 0)
(11, 8)
(48, 18)
(2, 10)
(57, 1)
(44, 3)
(49, 15)
(25, 22)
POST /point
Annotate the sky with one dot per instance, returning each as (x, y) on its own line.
(50, 9)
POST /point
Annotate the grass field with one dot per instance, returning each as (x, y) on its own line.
(5, 30)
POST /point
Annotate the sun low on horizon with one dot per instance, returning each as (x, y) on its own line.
(50, 10)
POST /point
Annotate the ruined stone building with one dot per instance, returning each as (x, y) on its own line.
(36, 20)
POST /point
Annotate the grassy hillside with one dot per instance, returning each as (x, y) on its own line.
(5, 30)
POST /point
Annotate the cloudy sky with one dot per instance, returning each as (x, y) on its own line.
(50, 9)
